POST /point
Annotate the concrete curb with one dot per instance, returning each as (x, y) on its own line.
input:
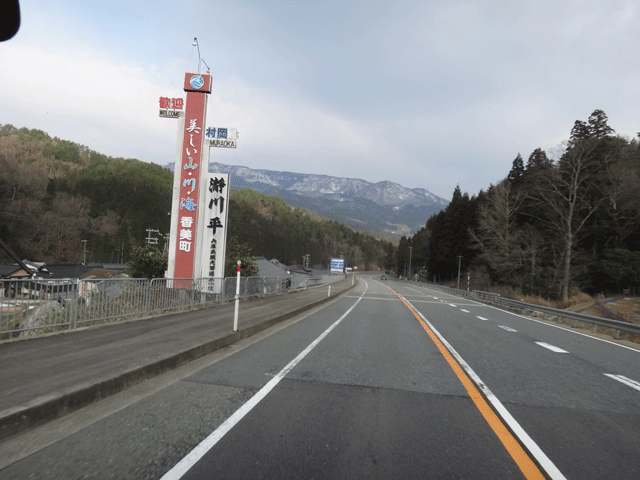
(45, 409)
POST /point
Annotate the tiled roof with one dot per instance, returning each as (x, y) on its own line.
(100, 273)
(68, 271)
(6, 270)
(269, 269)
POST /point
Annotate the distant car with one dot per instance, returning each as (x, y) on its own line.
(383, 277)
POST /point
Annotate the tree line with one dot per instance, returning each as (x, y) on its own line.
(269, 226)
(55, 193)
(549, 226)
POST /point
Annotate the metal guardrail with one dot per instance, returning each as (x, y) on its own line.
(496, 299)
(33, 307)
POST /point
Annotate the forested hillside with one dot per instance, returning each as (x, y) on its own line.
(274, 229)
(55, 193)
(548, 226)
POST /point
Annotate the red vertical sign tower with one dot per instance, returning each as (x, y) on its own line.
(197, 87)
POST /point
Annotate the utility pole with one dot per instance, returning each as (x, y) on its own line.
(84, 251)
(410, 252)
(152, 240)
(165, 249)
(459, 260)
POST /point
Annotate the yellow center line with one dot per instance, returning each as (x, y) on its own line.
(519, 455)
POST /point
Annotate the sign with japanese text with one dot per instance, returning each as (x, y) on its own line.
(171, 107)
(222, 137)
(337, 264)
(213, 133)
(173, 103)
(187, 176)
(214, 211)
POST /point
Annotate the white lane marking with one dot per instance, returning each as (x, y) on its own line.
(517, 430)
(482, 318)
(208, 443)
(435, 298)
(508, 329)
(421, 301)
(463, 310)
(396, 299)
(564, 328)
(625, 380)
(453, 305)
(553, 348)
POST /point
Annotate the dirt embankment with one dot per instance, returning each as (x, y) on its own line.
(628, 308)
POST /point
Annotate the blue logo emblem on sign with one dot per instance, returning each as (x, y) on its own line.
(196, 81)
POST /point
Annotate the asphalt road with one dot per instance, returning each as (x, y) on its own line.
(393, 380)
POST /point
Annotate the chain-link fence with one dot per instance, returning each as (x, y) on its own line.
(33, 307)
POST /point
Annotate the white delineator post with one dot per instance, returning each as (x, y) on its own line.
(329, 291)
(235, 315)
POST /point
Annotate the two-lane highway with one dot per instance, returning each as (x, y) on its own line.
(393, 380)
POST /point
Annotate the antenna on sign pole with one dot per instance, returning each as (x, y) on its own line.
(195, 44)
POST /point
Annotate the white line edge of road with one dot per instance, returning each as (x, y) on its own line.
(627, 381)
(524, 437)
(549, 324)
(184, 465)
(566, 329)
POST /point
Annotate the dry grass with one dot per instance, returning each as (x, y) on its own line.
(577, 300)
(627, 308)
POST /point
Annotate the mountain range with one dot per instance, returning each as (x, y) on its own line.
(383, 209)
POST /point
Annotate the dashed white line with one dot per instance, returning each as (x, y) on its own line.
(482, 318)
(551, 347)
(453, 305)
(463, 310)
(508, 329)
(373, 298)
(625, 380)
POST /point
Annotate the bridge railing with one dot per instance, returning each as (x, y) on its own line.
(561, 315)
(33, 307)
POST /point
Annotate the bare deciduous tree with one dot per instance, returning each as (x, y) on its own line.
(569, 195)
(497, 236)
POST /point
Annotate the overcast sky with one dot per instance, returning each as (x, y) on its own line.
(425, 94)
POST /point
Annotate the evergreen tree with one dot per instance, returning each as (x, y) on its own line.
(147, 262)
(239, 251)
(580, 131)
(517, 172)
(598, 127)
(537, 161)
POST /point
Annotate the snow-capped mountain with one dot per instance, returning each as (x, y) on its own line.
(382, 193)
(383, 208)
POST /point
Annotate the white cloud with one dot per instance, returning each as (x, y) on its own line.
(113, 109)
(427, 95)
(76, 96)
